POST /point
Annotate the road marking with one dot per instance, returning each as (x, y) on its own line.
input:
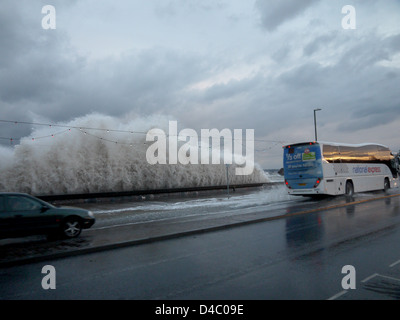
(390, 278)
(370, 277)
(394, 263)
(337, 295)
(379, 275)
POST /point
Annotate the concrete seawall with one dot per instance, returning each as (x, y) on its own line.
(140, 194)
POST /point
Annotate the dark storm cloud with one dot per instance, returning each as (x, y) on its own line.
(227, 78)
(32, 65)
(42, 75)
(367, 52)
(34, 62)
(274, 13)
(356, 85)
(147, 82)
(355, 90)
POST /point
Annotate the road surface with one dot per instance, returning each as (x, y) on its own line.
(299, 254)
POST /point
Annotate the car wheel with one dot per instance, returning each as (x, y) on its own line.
(71, 228)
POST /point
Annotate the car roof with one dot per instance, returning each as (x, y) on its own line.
(14, 194)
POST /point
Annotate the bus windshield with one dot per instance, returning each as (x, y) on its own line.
(302, 161)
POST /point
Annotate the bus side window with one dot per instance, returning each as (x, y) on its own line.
(331, 153)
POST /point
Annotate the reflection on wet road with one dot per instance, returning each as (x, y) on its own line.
(240, 202)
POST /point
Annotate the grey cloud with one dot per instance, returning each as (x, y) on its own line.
(355, 92)
(171, 8)
(320, 42)
(306, 75)
(394, 42)
(42, 74)
(147, 81)
(365, 53)
(376, 115)
(229, 90)
(34, 61)
(274, 13)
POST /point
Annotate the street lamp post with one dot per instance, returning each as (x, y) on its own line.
(315, 123)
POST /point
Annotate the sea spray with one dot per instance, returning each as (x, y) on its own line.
(83, 156)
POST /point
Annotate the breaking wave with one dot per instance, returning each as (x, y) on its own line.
(70, 160)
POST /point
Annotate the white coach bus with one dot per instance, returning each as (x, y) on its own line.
(327, 168)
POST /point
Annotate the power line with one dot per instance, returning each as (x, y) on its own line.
(70, 127)
(85, 131)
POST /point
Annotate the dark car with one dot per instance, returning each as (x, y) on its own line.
(22, 215)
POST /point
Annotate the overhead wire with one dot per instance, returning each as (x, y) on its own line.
(85, 130)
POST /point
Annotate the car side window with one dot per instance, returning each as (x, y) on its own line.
(16, 203)
(2, 205)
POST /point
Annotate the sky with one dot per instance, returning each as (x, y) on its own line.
(262, 65)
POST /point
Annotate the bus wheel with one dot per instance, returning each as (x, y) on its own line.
(349, 189)
(386, 185)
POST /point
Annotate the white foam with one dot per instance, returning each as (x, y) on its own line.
(77, 162)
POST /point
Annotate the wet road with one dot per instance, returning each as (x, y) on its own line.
(294, 257)
(216, 204)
